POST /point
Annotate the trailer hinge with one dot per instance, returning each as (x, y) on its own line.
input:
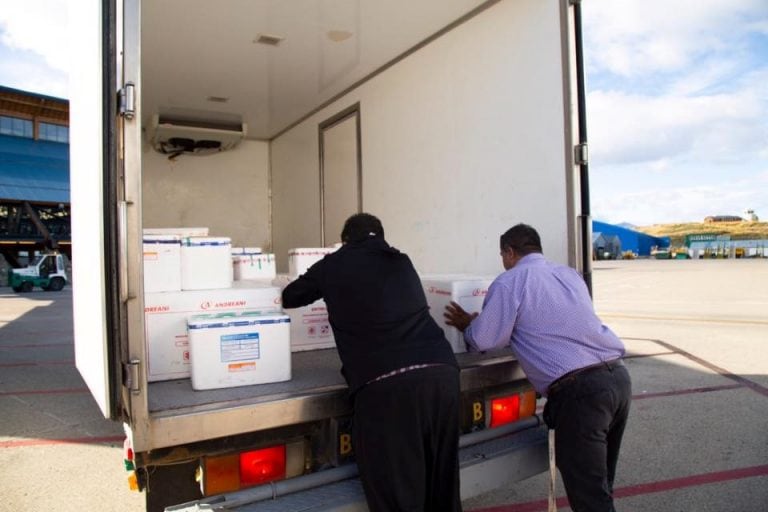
(131, 375)
(128, 101)
(580, 154)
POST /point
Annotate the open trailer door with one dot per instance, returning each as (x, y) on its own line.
(95, 288)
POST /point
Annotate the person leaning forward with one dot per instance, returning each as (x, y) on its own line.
(544, 312)
(401, 371)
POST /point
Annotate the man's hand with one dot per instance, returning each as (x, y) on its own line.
(457, 317)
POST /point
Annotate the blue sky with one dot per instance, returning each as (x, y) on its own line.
(677, 100)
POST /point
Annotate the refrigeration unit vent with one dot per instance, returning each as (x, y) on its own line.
(174, 137)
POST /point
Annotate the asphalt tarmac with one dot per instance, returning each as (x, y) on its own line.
(696, 333)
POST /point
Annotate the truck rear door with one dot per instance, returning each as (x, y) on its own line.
(93, 157)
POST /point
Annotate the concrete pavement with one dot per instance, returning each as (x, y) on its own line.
(697, 338)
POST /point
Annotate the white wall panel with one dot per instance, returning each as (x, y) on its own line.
(460, 140)
(227, 192)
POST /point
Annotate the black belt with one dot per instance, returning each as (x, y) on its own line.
(570, 376)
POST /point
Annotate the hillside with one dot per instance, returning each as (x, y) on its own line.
(737, 230)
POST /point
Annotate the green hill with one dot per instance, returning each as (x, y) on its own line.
(737, 230)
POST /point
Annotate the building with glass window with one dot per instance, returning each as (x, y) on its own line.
(34, 175)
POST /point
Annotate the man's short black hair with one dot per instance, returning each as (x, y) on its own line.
(361, 226)
(522, 238)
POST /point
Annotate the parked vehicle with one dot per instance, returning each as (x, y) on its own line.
(270, 122)
(47, 271)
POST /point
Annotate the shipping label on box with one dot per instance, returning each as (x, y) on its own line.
(165, 322)
(310, 326)
(238, 349)
(467, 291)
(162, 263)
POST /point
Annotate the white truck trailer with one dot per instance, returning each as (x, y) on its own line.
(270, 122)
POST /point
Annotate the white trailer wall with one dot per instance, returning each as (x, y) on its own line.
(460, 140)
(227, 192)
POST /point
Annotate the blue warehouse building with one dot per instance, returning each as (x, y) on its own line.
(635, 241)
(34, 175)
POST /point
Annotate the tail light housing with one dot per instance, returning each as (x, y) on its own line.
(231, 472)
(510, 408)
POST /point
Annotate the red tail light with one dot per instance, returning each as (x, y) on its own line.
(260, 466)
(505, 410)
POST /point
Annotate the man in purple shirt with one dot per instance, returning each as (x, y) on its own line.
(544, 312)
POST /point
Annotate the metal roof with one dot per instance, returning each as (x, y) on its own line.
(33, 170)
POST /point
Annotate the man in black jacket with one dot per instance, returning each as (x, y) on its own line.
(401, 371)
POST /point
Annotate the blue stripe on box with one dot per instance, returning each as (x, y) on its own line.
(209, 244)
(177, 242)
(219, 325)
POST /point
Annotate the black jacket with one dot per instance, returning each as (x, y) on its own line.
(377, 309)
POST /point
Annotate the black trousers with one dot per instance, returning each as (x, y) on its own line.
(589, 412)
(406, 439)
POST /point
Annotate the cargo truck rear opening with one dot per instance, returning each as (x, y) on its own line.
(269, 123)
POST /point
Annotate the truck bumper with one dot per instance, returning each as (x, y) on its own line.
(485, 465)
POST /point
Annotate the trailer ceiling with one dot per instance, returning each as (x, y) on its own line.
(202, 58)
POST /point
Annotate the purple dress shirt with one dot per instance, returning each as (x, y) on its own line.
(544, 311)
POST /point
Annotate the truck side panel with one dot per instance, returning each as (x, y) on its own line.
(447, 180)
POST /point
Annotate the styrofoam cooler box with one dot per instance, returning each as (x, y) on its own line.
(162, 263)
(206, 263)
(299, 260)
(310, 327)
(239, 349)
(465, 290)
(165, 321)
(253, 266)
(182, 232)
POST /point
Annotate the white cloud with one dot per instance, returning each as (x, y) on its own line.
(630, 128)
(39, 27)
(660, 205)
(630, 38)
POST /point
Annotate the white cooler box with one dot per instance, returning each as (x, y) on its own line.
(310, 327)
(467, 291)
(162, 263)
(206, 263)
(251, 265)
(299, 260)
(239, 349)
(165, 321)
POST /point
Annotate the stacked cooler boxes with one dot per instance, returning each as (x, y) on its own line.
(189, 273)
(165, 321)
(212, 313)
(467, 291)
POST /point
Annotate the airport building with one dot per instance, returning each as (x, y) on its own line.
(34, 175)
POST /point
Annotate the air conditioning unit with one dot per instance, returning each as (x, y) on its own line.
(175, 137)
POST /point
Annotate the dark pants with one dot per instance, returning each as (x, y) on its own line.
(589, 412)
(406, 441)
